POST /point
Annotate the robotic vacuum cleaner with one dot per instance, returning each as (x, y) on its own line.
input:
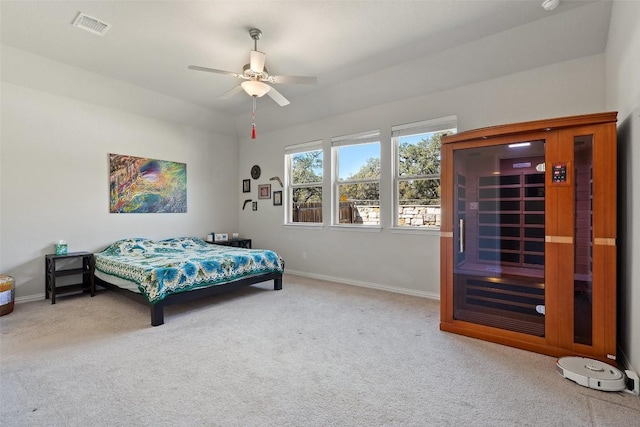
(597, 375)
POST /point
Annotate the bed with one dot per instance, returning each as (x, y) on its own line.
(159, 273)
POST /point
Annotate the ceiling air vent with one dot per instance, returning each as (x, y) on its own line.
(91, 24)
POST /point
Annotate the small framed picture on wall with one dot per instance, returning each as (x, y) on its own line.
(277, 198)
(264, 191)
(246, 185)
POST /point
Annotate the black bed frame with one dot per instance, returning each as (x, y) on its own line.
(157, 310)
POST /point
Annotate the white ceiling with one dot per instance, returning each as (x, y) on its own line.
(343, 43)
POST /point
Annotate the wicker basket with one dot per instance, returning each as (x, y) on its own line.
(7, 294)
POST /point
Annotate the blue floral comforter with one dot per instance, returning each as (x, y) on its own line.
(165, 267)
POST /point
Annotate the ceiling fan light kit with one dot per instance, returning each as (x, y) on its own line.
(255, 88)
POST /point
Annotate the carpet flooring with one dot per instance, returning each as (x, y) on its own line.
(314, 354)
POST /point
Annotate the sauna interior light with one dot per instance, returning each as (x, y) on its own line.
(520, 144)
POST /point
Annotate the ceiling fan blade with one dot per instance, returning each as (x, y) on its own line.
(277, 96)
(303, 80)
(213, 70)
(257, 61)
(232, 92)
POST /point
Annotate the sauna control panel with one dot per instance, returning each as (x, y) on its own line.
(559, 173)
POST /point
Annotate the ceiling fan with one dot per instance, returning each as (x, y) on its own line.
(257, 76)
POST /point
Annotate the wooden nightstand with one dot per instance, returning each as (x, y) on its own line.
(86, 271)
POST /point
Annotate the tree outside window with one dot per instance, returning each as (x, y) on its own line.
(304, 184)
(417, 176)
(357, 179)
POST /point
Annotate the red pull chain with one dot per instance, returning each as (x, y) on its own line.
(253, 120)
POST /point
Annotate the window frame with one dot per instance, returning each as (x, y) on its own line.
(289, 186)
(409, 129)
(367, 137)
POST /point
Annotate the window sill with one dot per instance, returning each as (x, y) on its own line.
(305, 226)
(430, 231)
(359, 228)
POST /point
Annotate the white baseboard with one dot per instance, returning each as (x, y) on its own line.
(29, 298)
(394, 289)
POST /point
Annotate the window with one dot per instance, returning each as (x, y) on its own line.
(303, 178)
(417, 171)
(356, 184)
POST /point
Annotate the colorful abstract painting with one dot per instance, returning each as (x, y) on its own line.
(139, 185)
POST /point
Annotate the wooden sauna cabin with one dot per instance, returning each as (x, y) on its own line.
(528, 235)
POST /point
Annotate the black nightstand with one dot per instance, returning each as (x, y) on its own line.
(237, 243)
(86, 271)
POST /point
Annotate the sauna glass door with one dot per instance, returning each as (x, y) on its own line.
(583, 225)
(499, 236)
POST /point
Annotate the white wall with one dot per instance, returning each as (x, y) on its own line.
(390, 259)
(623, 95)
(54, 178)
(29, 70)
